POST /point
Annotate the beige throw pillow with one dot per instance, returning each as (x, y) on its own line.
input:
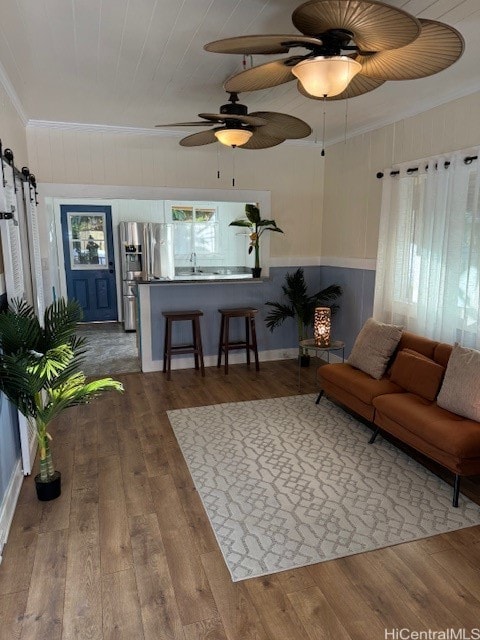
(460, 392)
(374, 346)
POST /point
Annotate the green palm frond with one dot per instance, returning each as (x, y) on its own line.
(39, 367)
(278, 314)
(60, 322)
(51, 364)
(19, 383)
(299, 304)
(19, 328)
(75, 391)
(329, 294)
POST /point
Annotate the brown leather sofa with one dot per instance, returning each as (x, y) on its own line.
(402, 403)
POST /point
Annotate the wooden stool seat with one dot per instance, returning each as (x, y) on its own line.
(194, 347)
(249, 344)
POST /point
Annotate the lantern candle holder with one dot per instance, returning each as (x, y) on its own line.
(321, 326)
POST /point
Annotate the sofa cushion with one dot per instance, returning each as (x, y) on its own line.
(443, 429)
(420, 344)
(356, 382)
(373, 347)
(417, 373)
(460, 392)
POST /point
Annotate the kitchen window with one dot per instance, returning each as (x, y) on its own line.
(195, 230)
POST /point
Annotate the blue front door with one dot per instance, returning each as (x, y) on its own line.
(89, 261)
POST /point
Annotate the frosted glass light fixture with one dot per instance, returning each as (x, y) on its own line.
(325, 76)
(321, 326)
(233, 137)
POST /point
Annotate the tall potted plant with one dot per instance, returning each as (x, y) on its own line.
(300, 305)
(257, 227)
(39, 374)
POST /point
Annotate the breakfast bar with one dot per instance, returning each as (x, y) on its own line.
(208, 292)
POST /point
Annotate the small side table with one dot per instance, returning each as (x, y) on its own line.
(309, 345)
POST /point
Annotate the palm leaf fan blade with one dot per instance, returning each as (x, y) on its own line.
(264, 76)
(282, 125)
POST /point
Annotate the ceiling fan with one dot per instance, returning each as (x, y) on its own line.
(258, 130)
(353, 46)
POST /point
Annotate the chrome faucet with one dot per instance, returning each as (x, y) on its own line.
(193, 258)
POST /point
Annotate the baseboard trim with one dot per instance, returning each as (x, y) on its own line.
(186, 362)
(7, 508)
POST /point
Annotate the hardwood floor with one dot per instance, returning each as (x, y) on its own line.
(127, 551)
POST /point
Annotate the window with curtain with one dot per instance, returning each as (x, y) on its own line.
(196, 230)
(428, 264)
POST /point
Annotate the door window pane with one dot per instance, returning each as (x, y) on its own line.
(87, 241)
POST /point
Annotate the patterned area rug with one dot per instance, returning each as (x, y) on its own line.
(287, 483)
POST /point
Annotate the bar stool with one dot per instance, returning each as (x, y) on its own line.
(250, 343)
(195, 347)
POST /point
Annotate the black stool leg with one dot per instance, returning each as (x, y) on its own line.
(227, 342)
(195, 344)
(221, 341)
(254, 342)
(165, 343)
(247, 339)
(169, 349)
(456, 490)
(199, 345)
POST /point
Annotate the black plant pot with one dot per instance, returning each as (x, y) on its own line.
(304, 360)
(256, 272)
(49, 490)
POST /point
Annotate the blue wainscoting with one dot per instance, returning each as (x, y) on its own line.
(9, 443)
(356, 306)
(10, 455)
(209, 297)
(356, 303)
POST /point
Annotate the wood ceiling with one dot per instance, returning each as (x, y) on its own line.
(135, 63)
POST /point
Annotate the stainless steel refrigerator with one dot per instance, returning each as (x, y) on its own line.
(146, 255)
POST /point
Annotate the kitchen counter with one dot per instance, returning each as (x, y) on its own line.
(207, 292)
(206, 278)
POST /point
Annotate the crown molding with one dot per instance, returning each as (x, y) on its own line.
(12, 94)
(103, 128)
(130, 131)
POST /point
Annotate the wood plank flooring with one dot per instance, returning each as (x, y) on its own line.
(127, 552)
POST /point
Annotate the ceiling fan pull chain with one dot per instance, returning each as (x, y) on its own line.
(324, 123)
(218, 162)
(233, 166)
(346, 121)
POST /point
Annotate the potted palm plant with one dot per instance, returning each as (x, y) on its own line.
(39, 374)
(300, 305)
(257, 227)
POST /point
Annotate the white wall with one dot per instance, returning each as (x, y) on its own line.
(352, 198)
(292, 172)
(12, 134)
(140, 210)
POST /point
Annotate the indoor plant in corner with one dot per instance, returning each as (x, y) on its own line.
(301, 306)
(39, 374)
(257, 227)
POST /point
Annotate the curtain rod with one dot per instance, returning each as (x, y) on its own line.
(410, 170)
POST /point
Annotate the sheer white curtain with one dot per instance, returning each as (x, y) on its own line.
(428, 265)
